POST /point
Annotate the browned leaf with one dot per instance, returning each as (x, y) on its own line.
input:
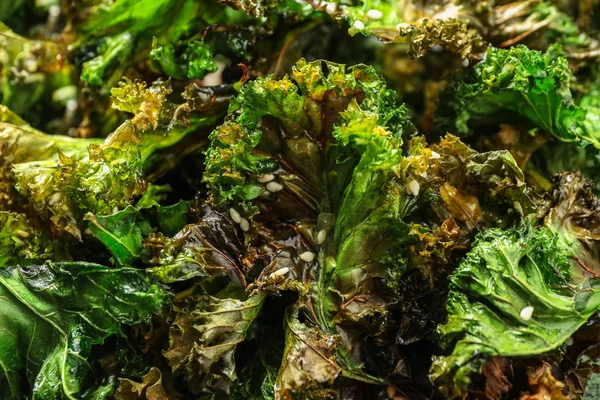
(308, 361)
(204, 336)
(543, 385)
(498, 372)
(461, 205)
(213, 246)
(151, 388)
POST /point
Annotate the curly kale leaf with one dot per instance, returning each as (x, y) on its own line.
(309, 158)
(540, 24)
(64, 178)
(209, 326)
(31, 73)
(204, 336)
(551, 272)
(316, 160)
(124, 231)
(21, 243)
(524, 82)
(463, 192)
(61, 189)
(306, 110)
(451, 24)
(52, 316)
(309, 358)
(129, 32)
(151, 387)
(512, 295)
(192, 60)
(573, 207)
(211, 247)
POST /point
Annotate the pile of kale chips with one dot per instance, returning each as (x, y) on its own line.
(299, 199)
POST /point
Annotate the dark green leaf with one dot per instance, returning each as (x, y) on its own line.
(123, 232)
(204, 336)
(512, 295)
(54, 313)
(523, 82)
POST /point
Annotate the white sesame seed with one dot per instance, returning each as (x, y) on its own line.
(307, 256)
(321, 236)
(437, 48)
(266, 178)
(87, 231)
(274, 187)
(245, 225)
(374, 14)
(330, 8)
(29, 65)
(465, 62)
(526, 313)
(435, 155)
(281, 271)
(55, 198)
(115, 209)
(570, 341)
(423, 174)
(414, 187)
(358, 24)
(54, 11)
(278, 273)
(71, 105)
(235, 216)
(22, 233)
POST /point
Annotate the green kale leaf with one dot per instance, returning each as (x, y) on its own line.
(192, 60)
(124, 231)
(512, 295)
(523, 82)
(64, 178)
(308, 157)
(52, 316)
(21, 243)
(130, 32)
